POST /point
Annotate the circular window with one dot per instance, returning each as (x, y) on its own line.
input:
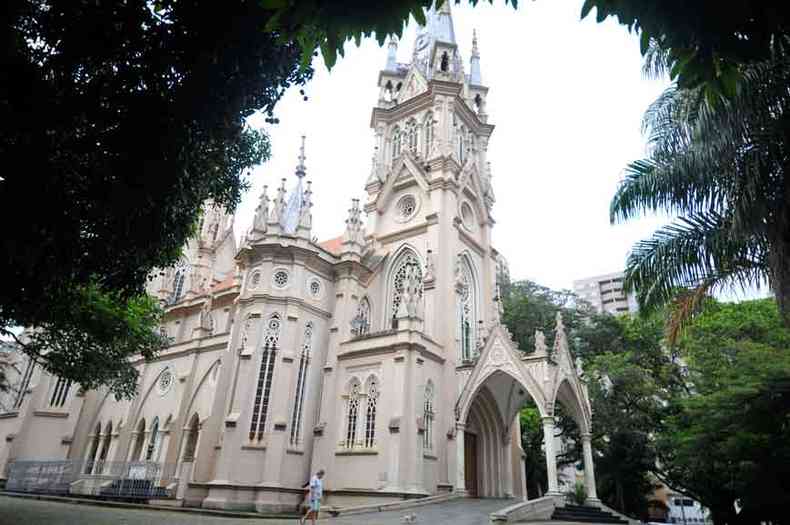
(406, 208)
(314, 288)
(468, 216)
(280, 279)
(165, 381)
(255, 280)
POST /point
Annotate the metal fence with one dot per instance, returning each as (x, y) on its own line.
(109, 479)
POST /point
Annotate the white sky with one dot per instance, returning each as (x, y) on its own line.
(566, 97)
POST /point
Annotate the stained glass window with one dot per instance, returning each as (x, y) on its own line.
(301, 382)
(263, 389)
(352, 413)
(370, 413)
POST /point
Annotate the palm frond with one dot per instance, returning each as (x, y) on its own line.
(680, 186)
(657, 60)
(689, 253)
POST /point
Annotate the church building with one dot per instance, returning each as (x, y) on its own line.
(378, 356)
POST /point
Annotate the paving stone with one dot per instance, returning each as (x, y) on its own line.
(18, 511)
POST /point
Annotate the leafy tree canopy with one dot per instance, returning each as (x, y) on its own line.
(117, 121)
(727, 440)
(705, 43)
(722, 169)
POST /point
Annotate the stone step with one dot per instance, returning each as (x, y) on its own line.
(585, 514)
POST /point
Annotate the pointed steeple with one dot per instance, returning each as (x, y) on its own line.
(292, 214)
(475, 78)
(392, 52)
(443, 29)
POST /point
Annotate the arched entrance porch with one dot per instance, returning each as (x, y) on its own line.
(489, 457)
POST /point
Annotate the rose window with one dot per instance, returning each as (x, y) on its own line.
(280, 278)
(406, 207)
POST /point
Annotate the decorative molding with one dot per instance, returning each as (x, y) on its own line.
(51, 413)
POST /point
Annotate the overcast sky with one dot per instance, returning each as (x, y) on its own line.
(566, 97)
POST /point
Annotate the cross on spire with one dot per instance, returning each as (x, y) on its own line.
(300, 168)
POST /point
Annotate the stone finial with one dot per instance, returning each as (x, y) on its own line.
(540, 343)
(261, 212)
(354, 236)
(278, 207)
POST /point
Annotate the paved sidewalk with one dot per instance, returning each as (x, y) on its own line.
(19, 511)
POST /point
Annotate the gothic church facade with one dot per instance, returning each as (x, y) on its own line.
(378, 356)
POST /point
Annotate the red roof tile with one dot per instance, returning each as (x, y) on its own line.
(224, 284)
(332, 245)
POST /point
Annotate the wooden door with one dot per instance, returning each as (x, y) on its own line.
(470, 463)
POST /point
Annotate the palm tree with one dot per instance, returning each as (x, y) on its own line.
(721, 167)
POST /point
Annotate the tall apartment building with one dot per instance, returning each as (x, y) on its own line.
(605, 293)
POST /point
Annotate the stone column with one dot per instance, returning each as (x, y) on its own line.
(551, 459)
(460, 475)
(507, 450)
(589, 469)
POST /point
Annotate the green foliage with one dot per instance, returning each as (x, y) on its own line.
(577, 496)
(532, 444)
(706, 44)
(631, 378)
(721, 168)
(529, 306)
(627, 373)
(118, 120)
(728, 439)
(327, 26)
(92, 338)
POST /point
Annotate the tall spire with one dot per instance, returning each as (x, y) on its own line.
(475, 78)
(438, 28)
(290, 218)
(443, 29)
(392, 54)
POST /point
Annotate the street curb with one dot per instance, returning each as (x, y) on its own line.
(145, 506)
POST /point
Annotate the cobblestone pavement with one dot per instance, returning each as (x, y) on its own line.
(17, 511)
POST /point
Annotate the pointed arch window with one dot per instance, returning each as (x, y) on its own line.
(412, 136)
(406, 286)
(466, 292)
(153, 440)
(94, 448)
(60, 393)
(428, 417)
(137, 452)
(461, 143)
(192, 438)
(24, 384)
(396, 142)
(105, 448)
(214, 231)
(428, 133)
(372, 392)
(301, 382)
(352, 413)
(263, 389)
(178, 284)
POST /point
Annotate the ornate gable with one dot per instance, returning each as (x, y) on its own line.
(500, 355)
(403, 171)
(413, 85)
